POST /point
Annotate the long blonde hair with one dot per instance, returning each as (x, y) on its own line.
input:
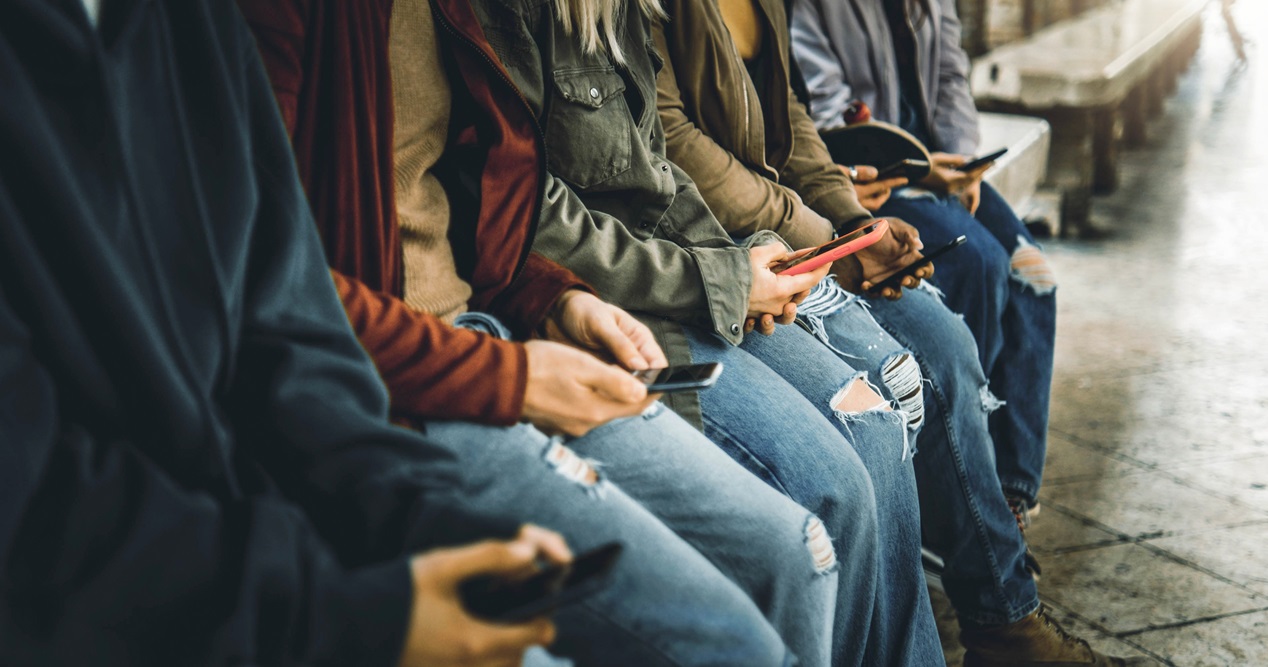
(597, 22)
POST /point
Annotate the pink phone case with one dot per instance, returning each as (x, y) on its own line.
(849, 248)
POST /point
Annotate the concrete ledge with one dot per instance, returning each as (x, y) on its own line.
(1018, 174)
(1091, 60)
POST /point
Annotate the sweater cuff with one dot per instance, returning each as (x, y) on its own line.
(526, 302)
(362, 618)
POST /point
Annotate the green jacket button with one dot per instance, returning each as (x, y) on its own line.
(735, 329)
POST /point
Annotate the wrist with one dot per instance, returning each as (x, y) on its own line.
(555, 315)
(853, 223)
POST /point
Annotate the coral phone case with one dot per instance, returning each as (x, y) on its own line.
(835, 249)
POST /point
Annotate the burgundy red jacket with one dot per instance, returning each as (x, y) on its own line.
(328, 61)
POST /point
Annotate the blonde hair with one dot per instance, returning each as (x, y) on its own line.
(597, 22)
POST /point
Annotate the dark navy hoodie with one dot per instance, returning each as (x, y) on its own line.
(195, 461)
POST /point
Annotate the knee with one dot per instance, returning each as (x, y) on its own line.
(571, 466)
(794, 538)
(1029, 266)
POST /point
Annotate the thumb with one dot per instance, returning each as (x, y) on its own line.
(766, 254)
(803, 282)
(612, 337)
(485, 558)
(611, 382)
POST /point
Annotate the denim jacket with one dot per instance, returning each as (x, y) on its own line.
(616, 211)
(846, 52)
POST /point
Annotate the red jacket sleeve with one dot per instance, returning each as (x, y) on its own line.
(433, 370)
(282, 48)
(527, 300)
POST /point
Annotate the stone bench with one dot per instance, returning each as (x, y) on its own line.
(1096, 78)
(1019, 174)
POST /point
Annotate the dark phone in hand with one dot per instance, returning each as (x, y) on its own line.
(909, 169)
(979, 161)
(895, 280)
(680, 378)
(505, 601)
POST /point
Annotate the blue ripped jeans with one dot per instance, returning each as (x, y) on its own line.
(772, 410)
(964, 515)
(1004, 289)
(704, 538)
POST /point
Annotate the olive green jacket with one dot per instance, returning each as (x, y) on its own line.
(616, 211)
(754, 154)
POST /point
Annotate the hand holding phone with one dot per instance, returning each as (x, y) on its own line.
(977, 162)
(912, 170)
(441, 630)
(895, 279)
(507, 601)
(692, 377)
(834, 250)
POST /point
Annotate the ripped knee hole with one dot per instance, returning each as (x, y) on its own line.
(902, 376)
(567, 463)
(1030, 267)
(820, 545)
(858, 396)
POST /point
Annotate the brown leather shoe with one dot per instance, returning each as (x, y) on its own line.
(1034, 641)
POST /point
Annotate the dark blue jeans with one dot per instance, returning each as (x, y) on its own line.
(963, 513)
(1009, 304)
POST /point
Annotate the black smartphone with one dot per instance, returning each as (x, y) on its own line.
(503, 601)
(895, 280)
(979, 161)
(680, 378)
(912, 170)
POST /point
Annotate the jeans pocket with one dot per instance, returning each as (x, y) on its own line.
(589, 125)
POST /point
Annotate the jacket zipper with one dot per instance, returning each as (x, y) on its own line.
(541, 136)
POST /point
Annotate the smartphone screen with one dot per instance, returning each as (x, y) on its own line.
(679, 378)
(979, 161)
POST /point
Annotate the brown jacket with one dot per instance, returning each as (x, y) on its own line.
(328, 61)
(755, 155)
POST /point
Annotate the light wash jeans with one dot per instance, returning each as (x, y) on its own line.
(965, 517)
(772, 410)
(704, 539)
(1005, 290)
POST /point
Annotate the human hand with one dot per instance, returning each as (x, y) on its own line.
(443, 634)
(570, 391)
(586, 321)
(971, 197)
(773, 298)
(944, 179)
(900, 247)
(871, 193)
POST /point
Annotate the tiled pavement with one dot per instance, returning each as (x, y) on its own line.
(1154, 529)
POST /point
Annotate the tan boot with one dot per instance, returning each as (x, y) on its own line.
(1034, 641)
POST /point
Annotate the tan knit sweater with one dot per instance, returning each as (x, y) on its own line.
(422, 102)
